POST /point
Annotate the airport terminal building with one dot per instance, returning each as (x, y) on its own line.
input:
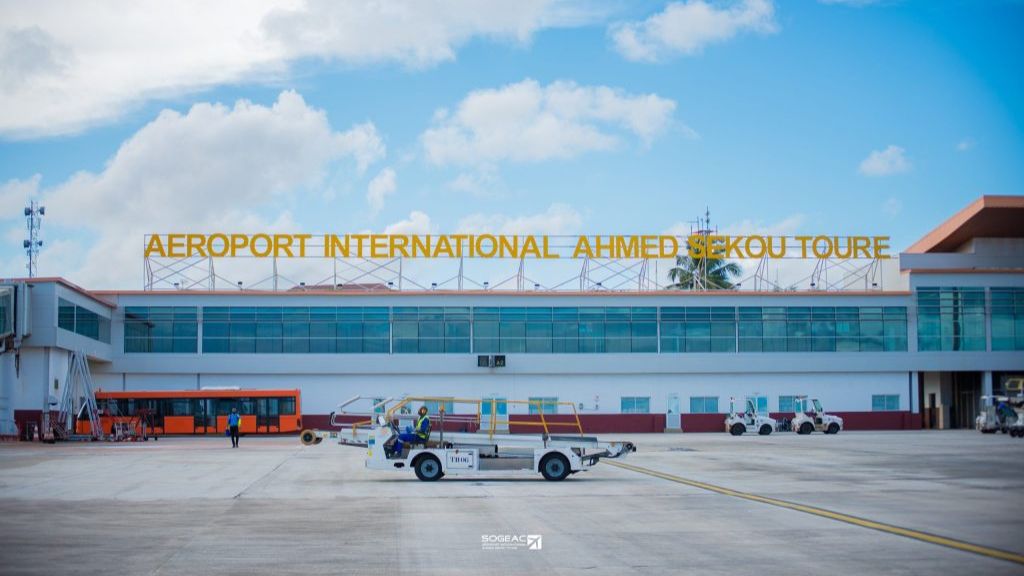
(921, 356)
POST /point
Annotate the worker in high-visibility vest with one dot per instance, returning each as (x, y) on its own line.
(420, 435)
(234, 423)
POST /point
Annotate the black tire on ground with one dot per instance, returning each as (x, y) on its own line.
(737, 429)
(765, 430)
(833, 428)
(1005, 429)
(428, 468)
(806, 428)
(307, 438)
(555, 467)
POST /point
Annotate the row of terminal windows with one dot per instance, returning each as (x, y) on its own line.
(82, 321)
(540, 330)
(710, 405)
(784, 329)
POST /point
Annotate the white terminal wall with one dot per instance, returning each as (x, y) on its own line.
(599, 393)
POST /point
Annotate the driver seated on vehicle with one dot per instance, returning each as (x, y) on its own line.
(420, 436)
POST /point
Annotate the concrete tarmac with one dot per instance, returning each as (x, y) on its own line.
(195, 506)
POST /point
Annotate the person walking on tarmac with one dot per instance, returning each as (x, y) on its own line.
(234, 423)
(421, 433)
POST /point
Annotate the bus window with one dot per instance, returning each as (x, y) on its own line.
(179, 407)
(273, 408)
(287, 406)
(248, 406)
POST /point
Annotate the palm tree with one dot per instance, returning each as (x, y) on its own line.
(688, 272)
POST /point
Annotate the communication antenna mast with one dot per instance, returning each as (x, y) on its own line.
(700, 276)
(34, 220)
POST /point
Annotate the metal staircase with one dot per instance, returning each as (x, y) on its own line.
(77, 385)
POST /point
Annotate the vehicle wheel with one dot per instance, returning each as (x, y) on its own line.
(833, 428)
(765, 430)
(737, 429)
(1005, 429)
(554, 467)
(806, 428)
(428, 468)
(308, 438)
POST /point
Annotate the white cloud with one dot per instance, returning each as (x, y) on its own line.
(382, 185)
(527, 122)
(687, 27)
(417, 223)
(558, 219)
(64, 68)
(965, 145)
(416, 32)
(481, 182)
(892, 207)
(892, 160)
(15, 194)
(214, 168)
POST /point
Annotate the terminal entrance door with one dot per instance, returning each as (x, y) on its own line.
(965, 400)
(673, 420)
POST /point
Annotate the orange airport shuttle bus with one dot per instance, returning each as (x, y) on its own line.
(198, 411)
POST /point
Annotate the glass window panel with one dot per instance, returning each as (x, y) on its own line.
(543, 404)
(787, 403)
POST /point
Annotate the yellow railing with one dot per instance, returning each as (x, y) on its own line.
(493, 403)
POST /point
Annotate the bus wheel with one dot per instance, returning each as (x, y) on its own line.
(308, 438)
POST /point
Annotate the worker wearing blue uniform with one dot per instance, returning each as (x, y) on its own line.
(234, 423)
(421, 433)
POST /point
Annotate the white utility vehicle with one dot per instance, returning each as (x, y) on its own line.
(749, 421)
(996, 416)
(1003, 413)
(811, 417)
(481, 446)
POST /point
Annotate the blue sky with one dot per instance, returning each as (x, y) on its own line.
(541, 117)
